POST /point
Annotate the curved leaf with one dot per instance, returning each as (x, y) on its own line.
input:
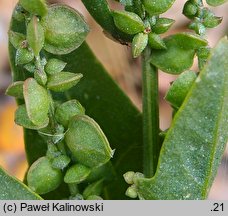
(216, 2)
(13, 189)
(195, 143)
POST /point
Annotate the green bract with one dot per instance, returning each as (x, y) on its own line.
(65, 111)
(65, 29)
(54, 66)
(36, 101)
(22, 119)
(93, 189)
(180, 88)
(156, 41)
(63, 81)
(139, 43)
(194, 145)
(156, 7)
(128, 22)
(42, 178)
(209, 19)
(77, 174)
(16, 39)
(190, 9)
(216, 2)
(37, 7)
(23, 56)
(87, 142)
(40, 77)
(179, 54)
(15, 89)
(162, 25)
(60, 162)
(35, 35)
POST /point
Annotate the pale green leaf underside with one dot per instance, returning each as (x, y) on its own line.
(195, 143)
(13, 189)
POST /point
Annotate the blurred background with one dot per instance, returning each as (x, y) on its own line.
(118, 62)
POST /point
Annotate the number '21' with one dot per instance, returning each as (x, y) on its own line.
(218, 207)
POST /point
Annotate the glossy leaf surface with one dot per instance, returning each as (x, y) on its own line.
(194, 145)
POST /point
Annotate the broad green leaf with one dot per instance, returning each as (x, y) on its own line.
(103, 101)
(65, 29)
(156, 7)
(179, 54)
(36, 101)
(13, 189)
(35, 35)
(194, 145)
(216, 2)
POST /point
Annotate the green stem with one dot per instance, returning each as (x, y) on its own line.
(150, 115)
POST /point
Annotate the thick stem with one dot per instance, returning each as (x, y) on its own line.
(150, 115)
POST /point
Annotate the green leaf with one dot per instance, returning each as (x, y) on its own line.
(35, 35)
(67, 110)
(36, 7)
(54, 66)
(128, 22)
(156, 7)
(216, 2)
(36, 101)
(162, 25)
(98, 7)
(76, 174)
(139, 43)
(179, 89)
(179, 54)
(24, 56)
(195, 143)
(103, 101)
(156, 42)
(16, 39)
(63, 81)
(22, 119)
(13, 189)
(87, 142)
(15, 89)
(65, 29)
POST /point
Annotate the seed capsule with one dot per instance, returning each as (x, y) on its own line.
(42, 178)
(35, 35)
(16, 39)
(65, 111)
(139, 43)
(37, 7)
(156, 41)
(36, 100)
(128, 22)
(132, 192)
(63, 81)
(65, 29)
(54, 66)
(22, 119)
(15, 89)
(180, 88)
(87, 142)
(23, 56)
(162, 25)
(76, 174)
